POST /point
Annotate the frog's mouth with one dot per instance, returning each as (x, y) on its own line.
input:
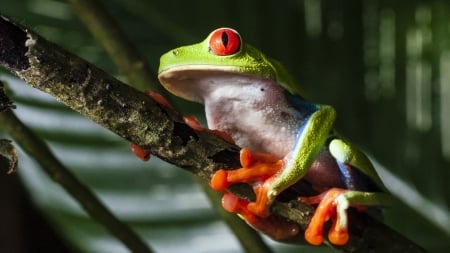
(194, 82)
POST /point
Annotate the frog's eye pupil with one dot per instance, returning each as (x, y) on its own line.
(225, 41)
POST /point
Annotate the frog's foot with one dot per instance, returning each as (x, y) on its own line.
(332, 205)
(273, 226)
(257, 169)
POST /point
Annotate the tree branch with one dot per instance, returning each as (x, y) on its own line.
(133, 116)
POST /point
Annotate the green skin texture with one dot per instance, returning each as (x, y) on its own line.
(248, 60)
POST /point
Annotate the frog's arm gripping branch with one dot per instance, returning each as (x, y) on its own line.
(136, 118)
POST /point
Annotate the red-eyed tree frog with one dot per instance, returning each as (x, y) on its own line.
(253, 99)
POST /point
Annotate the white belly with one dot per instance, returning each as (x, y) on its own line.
(256, 117)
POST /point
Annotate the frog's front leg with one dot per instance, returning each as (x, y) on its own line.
(270, 176)
(333, 203)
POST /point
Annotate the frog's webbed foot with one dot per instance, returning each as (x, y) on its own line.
(363, 188)
(257, 169)
(332, 205)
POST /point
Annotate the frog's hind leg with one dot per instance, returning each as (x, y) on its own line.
(364, 188)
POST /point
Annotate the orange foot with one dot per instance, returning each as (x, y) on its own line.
(257, 169)
(327, 209)
(273, 226)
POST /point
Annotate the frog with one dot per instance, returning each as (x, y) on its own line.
(253, 101)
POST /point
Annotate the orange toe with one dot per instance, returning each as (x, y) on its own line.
(260, 207)
(314, 232)
(142, 153)
(158, 98)
(246, 158)
(338, 236)
(219, 181)
(232, 203)
(250, 158)
(193, 122)
(223, 135)
(314, 237)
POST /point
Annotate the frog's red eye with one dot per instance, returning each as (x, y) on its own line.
(225, 41)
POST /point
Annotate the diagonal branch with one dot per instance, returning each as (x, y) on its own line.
(133, 116)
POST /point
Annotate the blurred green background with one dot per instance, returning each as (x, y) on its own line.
(384, 65)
